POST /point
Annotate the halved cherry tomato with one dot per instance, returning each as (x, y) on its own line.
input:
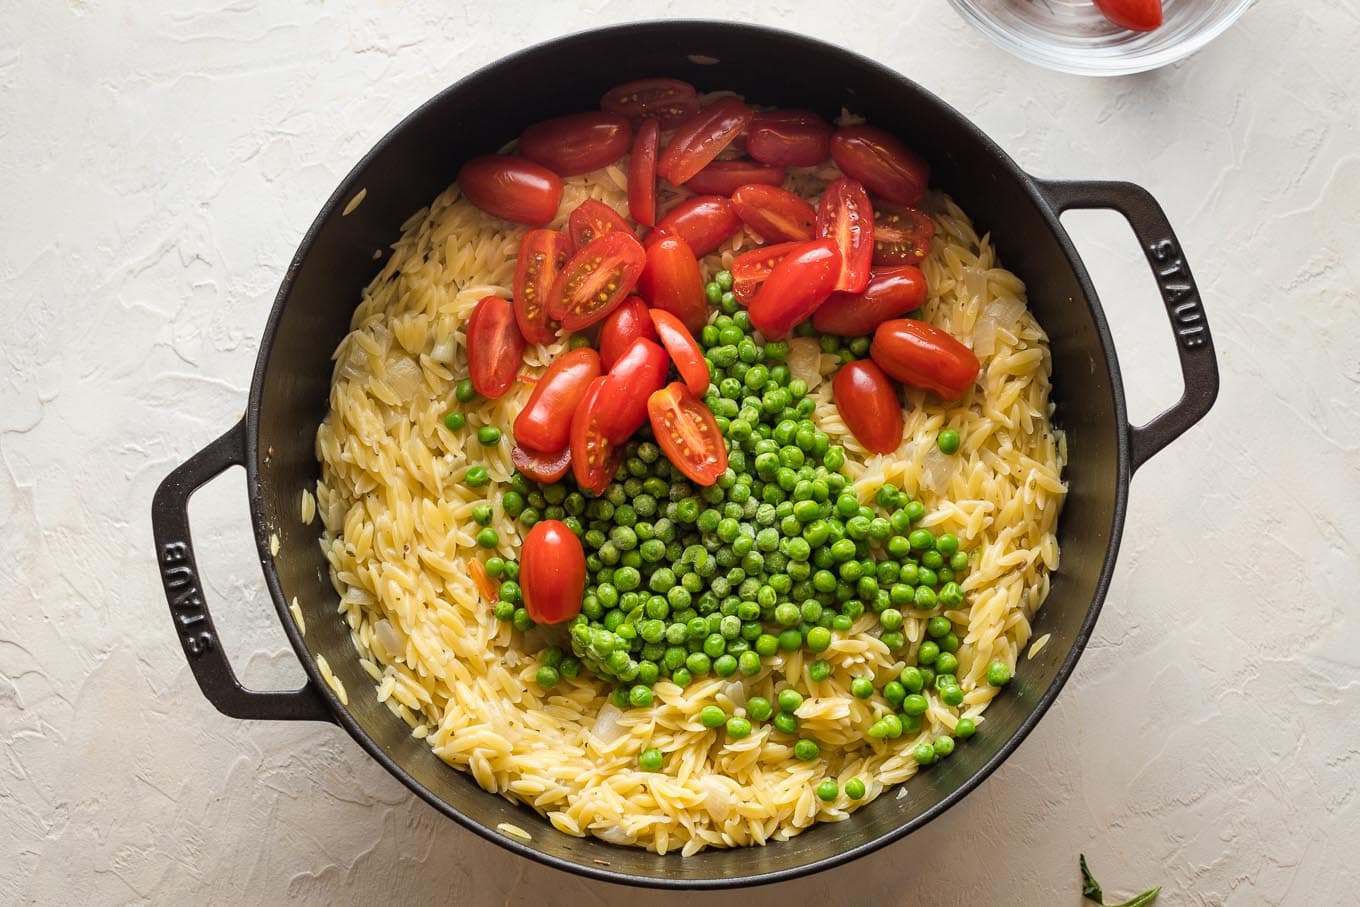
(749, 269)
(624, 325)
(891, 293)
(495, 348)
(592, 219)
(623, 398)
(724, 177)
(669, 100)
(594, 458)
(672, 282)
(512, 188)
(596, 279)
(545, 422)
(1139, 15)
(789, 138)
(922, 355)
(578, 142)
(776, 214)
(798, 284)
(552, 573)
(687, 433)
(543, 468)
(683, 349)
(884, 165)
(704, 222)
(846, 215)
(868, 403)
(642, 173)
(700, 139)
(902, 236)
(542, 253)
(489, 588)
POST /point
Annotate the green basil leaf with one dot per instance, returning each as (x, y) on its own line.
(1090, 888)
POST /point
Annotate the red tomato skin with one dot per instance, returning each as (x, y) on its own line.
(512, 188)
(592, 219)
(687, 433)
(541, 256)
(495, 347)
(847, 216)
(578, 142)
(552, 573)
(701, 138)
(608, 266)
(704, 222)
(891, 293)
(622, 405)
(776, 214)
(902, 236)
(789, 138)
(624, 325)
(868, 403)
(885, 166)
(545, 422)
(1138, 15)
(672, 282)
(683, 349)
(642, 173)
(544, 468)
(594, 459)
(750, 269)
(801, 282)
(725, 177)
(920, 354)
(670, 101)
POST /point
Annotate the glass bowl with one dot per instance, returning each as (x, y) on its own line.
(1072, 35)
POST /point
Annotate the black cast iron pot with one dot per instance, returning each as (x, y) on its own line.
(417, 159)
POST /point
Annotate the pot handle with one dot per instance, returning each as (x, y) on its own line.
(1194, 345)
(184, 592)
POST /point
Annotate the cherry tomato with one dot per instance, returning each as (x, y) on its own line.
(868, 403)
(683, 349)
(495, 348)
(594, 459)
(545, 422)
(724, 177)
(789, 138)
(891, 293)
(687, 433)
(884, 165)
(668, 100)
(624, 325)
(642, 173)
(592, 219)
(578, 142)
(798, 284)
(552, 573)
(902, 236)
(544, 468)
(699, 139)
(623, 398)
(922, 355)
(596, 279)
(749, 269)
(541, 256)
(776, 214)
(1139, 15)
(512, 188)
(672, 282)
(846, 216)
(704, 222)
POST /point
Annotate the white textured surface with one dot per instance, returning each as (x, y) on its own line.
(159, 162)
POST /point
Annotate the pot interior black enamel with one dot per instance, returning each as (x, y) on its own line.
(421, 156)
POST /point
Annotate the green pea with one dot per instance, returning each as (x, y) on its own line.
(711, 716)
(454, 421)
(806, 750)
(698, 663)
(725, 665)
(476, 477)
(504, 610)
(488, 435)
(914, 510)
(650, 760)
(893, 640)
(998, 674)
(488, 538)
(819, 639)
(854, 789)
(923, 753)
(464, 391)
(842, 622)
(861, 688)
(925, 598)
(819, 670)
(789, 699)
(827, 790)
(786, 723)
(738, 728)
(948, 441)
(766, 645)
(681, 677)
(790, 640)
(944, 746)
(915, 704)
(481, 515)
(894, 692)
(546, 677)
(965, 728)
(938, 626)
(927, 653)
(724, 280)
(912, 678)
(950, 595)
(951, 696)
(640, 697)
(891, 619)
(958, 561)
(949, 643)
(946, 663)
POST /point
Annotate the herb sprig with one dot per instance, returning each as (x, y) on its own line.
(1090, 889)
